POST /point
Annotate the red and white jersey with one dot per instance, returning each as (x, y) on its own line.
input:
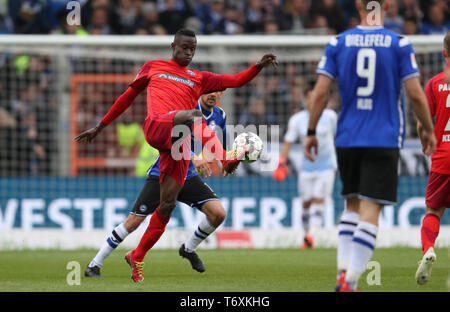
(438, 95)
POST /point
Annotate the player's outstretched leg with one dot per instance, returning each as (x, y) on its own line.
(429, 232)
(169, 191)
(117, 235)
(214, 216)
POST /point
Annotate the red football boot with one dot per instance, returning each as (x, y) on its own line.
(136, 268)
(340, 281)
(230, 164)
(308, 242)
(346, 288)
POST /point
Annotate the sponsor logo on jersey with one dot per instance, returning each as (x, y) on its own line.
(190, 72)
(188, 82)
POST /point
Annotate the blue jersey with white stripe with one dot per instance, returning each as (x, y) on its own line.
(371, 63)
(216, 120)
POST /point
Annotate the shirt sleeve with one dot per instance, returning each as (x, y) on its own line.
(211, 82)
(327, 65)
(141, 80)
(430, 97)
(291, 134)
(407, 60)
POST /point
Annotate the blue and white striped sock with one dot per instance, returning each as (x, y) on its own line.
(117, 236)
(346, 228)
(363, 244)
(203, 230)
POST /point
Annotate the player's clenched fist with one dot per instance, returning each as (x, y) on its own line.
(266, 60)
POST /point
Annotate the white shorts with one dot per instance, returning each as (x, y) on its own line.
(318, 184)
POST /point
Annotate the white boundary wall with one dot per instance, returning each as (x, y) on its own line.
(173, 238)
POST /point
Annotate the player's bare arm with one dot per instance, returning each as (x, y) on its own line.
(318, 104)
(419, 105)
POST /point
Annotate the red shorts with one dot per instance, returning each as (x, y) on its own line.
(174, 159)
(438, 191)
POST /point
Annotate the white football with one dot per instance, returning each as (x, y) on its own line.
(252, 143)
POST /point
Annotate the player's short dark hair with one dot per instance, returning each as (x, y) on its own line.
(447, 42)
(184, 32)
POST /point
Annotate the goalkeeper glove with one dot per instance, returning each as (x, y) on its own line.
(282, 171)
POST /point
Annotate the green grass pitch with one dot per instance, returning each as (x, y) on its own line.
(226, 271)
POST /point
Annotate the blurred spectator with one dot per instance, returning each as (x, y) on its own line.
(211, 15)
(410, 26)
(148, 21)
(436, 23)
(257, 114)
(30, 16)
(25, 155)
(392, 19)
(126, 17)
(294, 15)
(173, 14)
(67, 29)
(234, 21)
(255, 16)
(410, 9)
(319, 25)
(271, 27)
(6, 23)
(99, 24)
(155, 17)
(332, 13)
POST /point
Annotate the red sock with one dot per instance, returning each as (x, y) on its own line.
(429, 231)
(209, 139)
(154, 231)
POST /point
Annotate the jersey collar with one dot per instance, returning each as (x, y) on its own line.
(203, 113)
(369, 27)
(174, 63)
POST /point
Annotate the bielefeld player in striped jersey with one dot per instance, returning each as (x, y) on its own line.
(438, 188)
(372, 63)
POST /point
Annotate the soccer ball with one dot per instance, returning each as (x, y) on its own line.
(251, 142)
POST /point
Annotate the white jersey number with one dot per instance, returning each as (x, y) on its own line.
(367, 72)
(447, 127)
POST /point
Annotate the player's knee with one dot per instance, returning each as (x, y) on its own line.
(219, 216)
(167, 206)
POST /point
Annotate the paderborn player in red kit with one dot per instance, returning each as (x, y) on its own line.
(438, 189)
(172, 93)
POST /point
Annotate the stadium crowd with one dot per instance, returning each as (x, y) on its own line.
(215, 16)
